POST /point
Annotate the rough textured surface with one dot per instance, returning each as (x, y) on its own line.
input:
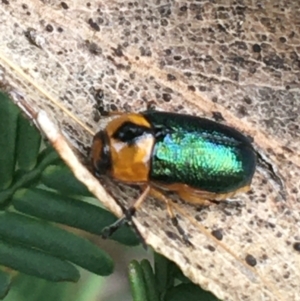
(235, 60)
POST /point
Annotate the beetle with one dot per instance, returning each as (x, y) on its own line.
(199, 159)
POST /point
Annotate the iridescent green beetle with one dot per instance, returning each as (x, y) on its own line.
(197, 158)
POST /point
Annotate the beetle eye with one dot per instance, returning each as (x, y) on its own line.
(128, 132)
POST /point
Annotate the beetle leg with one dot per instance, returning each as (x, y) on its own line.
(157, 194)
(194, 198)
(111, 229)
(128, 213)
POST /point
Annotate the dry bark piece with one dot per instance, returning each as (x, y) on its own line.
(237, 60)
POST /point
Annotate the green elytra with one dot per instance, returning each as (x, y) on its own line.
(201, 153)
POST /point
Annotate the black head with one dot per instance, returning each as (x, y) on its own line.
(100, 153)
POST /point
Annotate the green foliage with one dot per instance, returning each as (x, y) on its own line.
(163, 284)
(38, 192)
